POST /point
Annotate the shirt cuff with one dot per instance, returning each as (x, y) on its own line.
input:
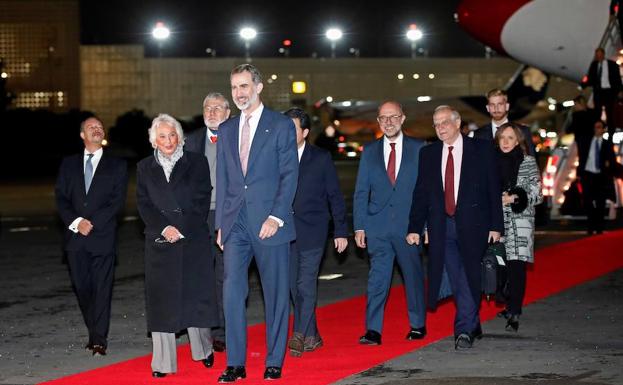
(279, 221)
(358, 230)
(74, 225)
(165, 229)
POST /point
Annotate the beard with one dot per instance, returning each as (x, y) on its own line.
(250, 101)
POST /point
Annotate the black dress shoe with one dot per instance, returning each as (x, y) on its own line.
(208, 362)
(370, 338)
(477, 333)
(89, 347)
(158, 374)
(504, 314)
(232, 373)
(98, 350)
(218, 346)
(272, 373)
(416, 333)
(512, 325)
(463, 341)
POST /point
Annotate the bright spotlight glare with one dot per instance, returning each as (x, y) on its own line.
(414, 34)
(248, 33)
(160, 31)
(334, 34)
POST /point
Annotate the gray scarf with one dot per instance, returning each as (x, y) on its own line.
(168, 163)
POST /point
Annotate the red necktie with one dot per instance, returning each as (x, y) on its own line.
(213, 139)
(449, 179)
(391, 164)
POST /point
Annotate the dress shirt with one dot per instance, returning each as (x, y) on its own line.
(95, 160)
(590, 161)
(300, 151)
(494, 127)
(605, 80)
(398, 148)
(457, 156)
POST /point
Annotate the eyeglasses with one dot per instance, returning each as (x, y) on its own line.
(214, 109)
(443, 123)
(384, 119)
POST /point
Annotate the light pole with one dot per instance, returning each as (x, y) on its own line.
(247, 34)
(333, 34)
(413, 35)
(161, 33)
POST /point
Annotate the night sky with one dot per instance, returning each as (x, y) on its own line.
(376, 30)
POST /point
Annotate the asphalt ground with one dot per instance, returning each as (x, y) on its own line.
(574, 337)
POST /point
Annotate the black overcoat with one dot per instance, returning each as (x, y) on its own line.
(179, 277)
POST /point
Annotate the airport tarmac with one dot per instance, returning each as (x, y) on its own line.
(574, 337)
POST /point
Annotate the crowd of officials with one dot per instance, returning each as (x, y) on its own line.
(251, 187)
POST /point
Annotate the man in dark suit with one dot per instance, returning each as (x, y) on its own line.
(498, 107)
(215, 111)
(458, 198)
(596, 157)
(605, 78)
(387, 174)
(256, 182)
(90, 192)
(318, 191)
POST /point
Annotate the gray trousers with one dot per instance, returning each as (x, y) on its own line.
(164, 358)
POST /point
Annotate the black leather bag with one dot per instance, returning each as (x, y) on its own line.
(492, 272)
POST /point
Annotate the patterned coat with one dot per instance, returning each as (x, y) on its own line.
(519, 227)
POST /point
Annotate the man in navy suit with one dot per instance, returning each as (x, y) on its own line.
(386, 178)
(90, 192)
(458, 199)
(498, 107)
(256, 182)
(605, 78)
(204, 141)
(318, 191)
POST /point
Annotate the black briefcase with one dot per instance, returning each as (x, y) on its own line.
(492, 270)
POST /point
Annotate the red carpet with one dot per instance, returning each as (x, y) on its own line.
(557, 268)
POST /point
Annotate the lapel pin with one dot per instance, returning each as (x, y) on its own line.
(266, 130)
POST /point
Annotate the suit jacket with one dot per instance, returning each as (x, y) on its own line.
(485, 132)
(196, 142)
(179, 277)
(478, 209)
(101, 205)
(318, 190)
(379, 208)
(606, 154)
(270, 183)
(614, 77)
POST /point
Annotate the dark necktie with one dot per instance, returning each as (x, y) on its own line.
(391, 164)
(599, 72)
(449, 179)
(88, 173)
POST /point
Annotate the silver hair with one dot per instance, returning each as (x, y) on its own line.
(256, 76)
(445, 107)
(165, 119)
(216, 95)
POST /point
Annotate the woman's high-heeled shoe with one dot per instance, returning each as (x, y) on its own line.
(512, 325)
(504, 314)
(158, 374)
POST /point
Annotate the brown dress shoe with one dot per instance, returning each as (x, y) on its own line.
(98, 350)
(296, 345)
(218, 346)
(312, 343)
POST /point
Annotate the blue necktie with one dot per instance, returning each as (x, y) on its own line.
(88, 173)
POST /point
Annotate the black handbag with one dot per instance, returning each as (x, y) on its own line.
(493, 272)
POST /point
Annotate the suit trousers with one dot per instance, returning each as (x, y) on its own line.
(92, 277)
(467, 318)
(164, 357)
(273, 266)
(218, 332)
(595, 199)
(383, 250)
(304, 266)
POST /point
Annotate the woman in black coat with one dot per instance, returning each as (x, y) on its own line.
(173, 198)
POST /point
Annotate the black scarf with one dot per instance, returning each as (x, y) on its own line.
(508, 164)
